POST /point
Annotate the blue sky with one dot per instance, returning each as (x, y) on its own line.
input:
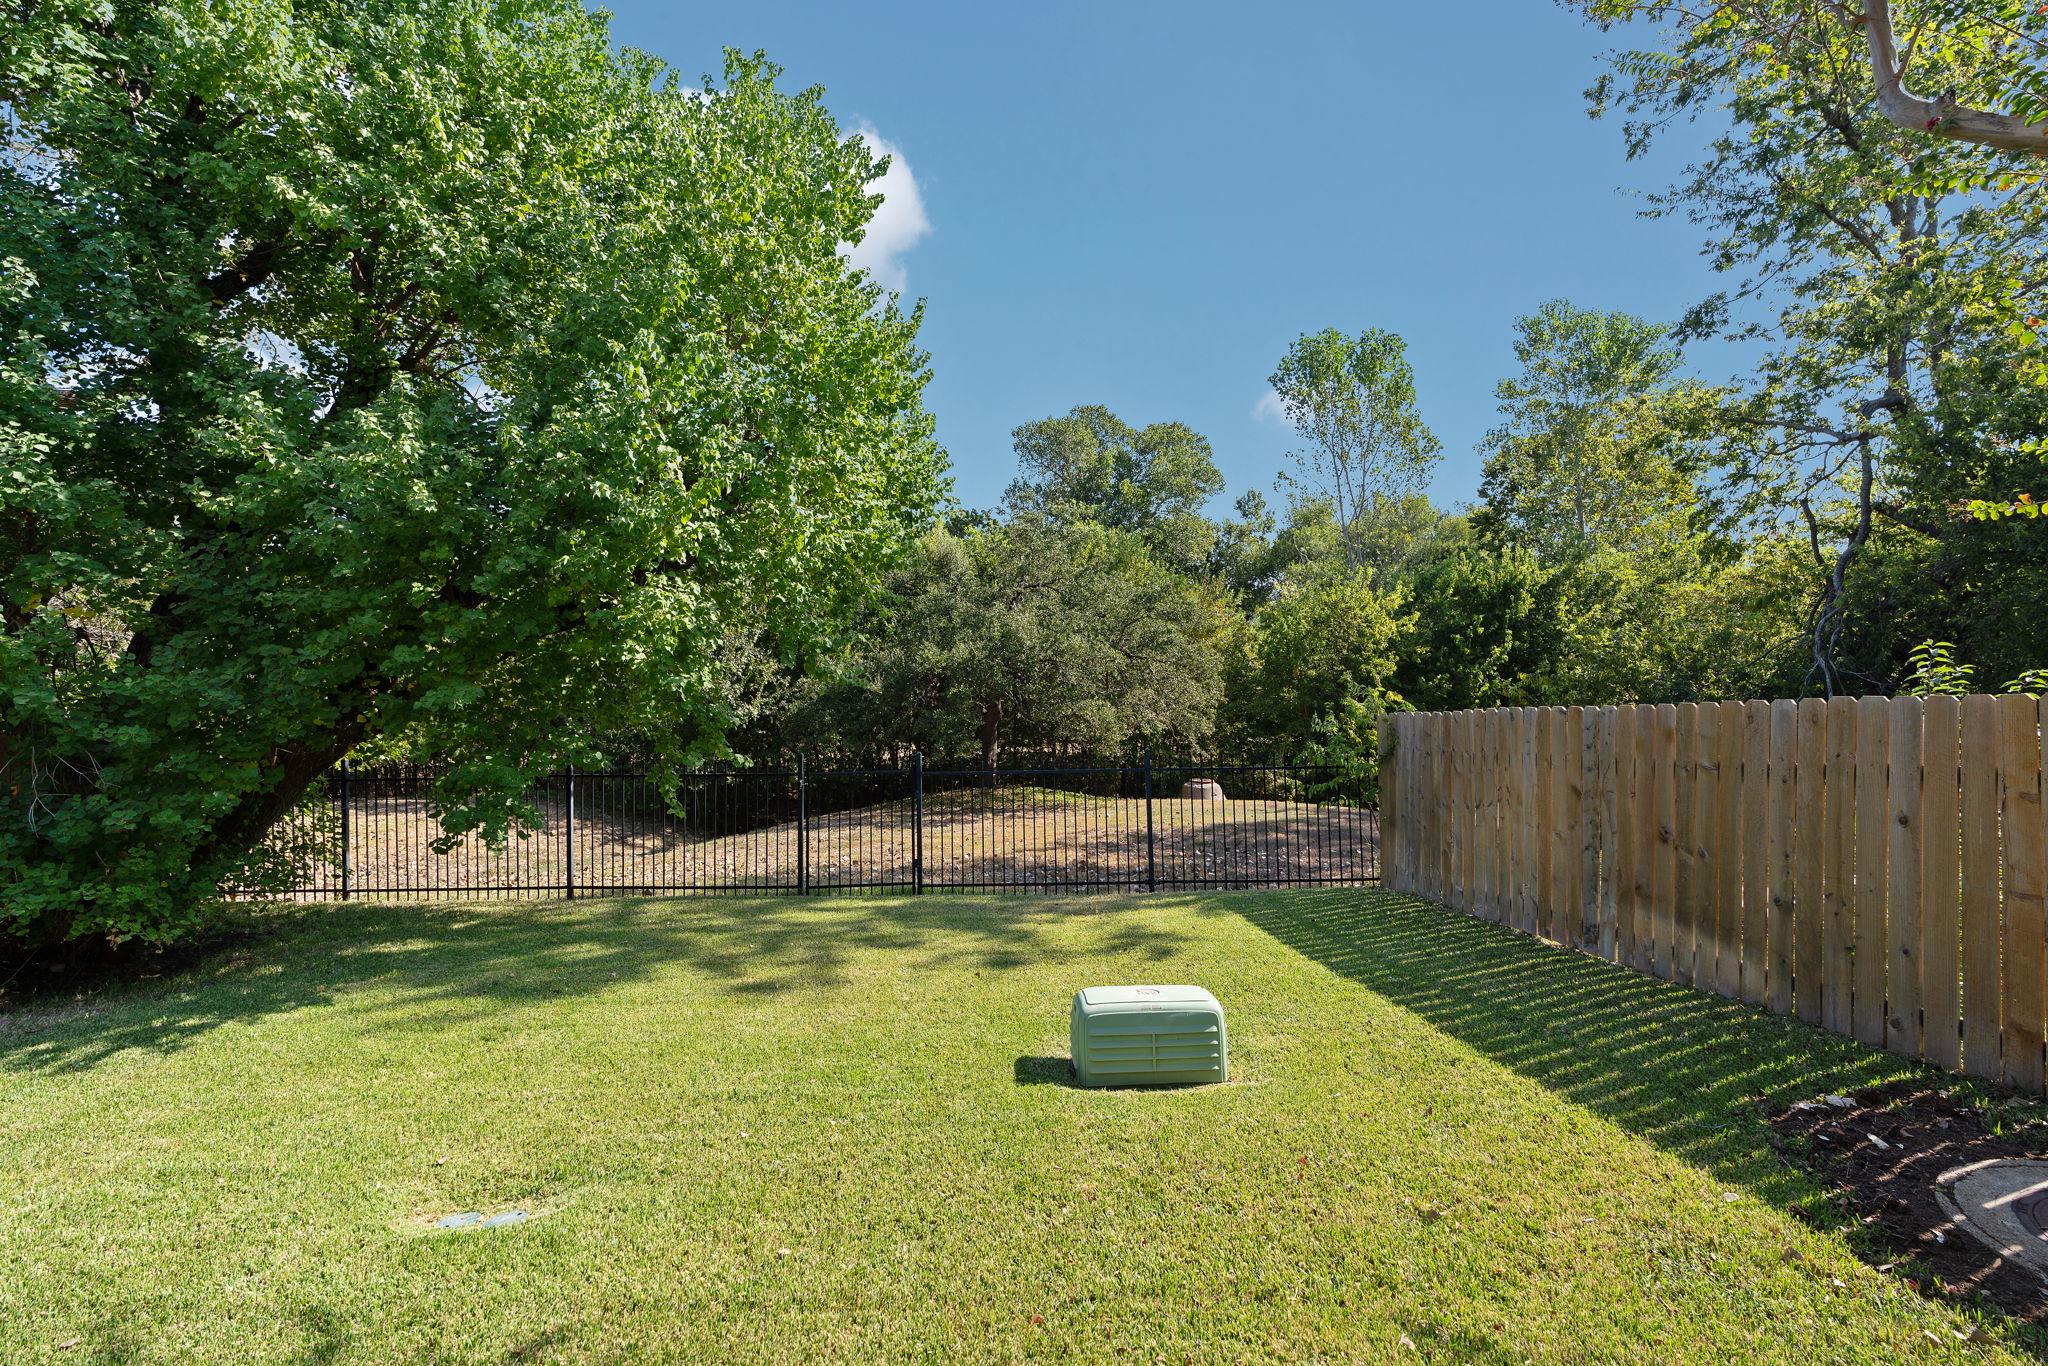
(1140, 204)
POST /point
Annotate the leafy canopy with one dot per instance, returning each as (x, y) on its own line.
(404, 367)
(1092, 466)
(1352, 401)
(1034, 632)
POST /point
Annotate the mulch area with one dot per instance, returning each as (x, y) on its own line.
(1880, 1155)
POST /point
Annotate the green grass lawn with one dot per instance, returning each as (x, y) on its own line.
(838, 1130)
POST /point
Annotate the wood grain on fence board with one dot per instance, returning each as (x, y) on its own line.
(1452, 760)
(1495, 876)
(1756, 850)
(1640, 829)
(2025, 993)
(1610, 821)
(1433, 862)
(1541, 906)
(1873, 747)
(1475, 822)
(1478, 780)
(1707, 852)
(1979, 771)
(1783, 859)
(1876, 865)
(1664, 845)
(1728, 883)
(1500, 869)
(1532, 813)
(1838, 870)
(1510, 845)
(1809, 810)
(1940, 867)
(1412, 794)
(1563, 865)
(1684, 854)
(1586, 724)
(1902, 881)
(1561, 855)
(1575, 840)
(1621, 889)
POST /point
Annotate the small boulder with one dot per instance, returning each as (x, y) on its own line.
(1202, 790)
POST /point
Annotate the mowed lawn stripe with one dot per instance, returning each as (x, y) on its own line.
(803, 1130)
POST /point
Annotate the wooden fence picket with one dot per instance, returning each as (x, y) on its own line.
(1810, 817)
(1838, 867)
(1873, 748)
(1940, 894)
(1980, 874)
(1902, 881)
(1756, 849)
(1728, 839)
(1684, 846)
(2024, 997)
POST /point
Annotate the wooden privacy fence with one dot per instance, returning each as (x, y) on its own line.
(1873, 865)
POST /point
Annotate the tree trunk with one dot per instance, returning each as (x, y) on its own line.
(991, 736)
(296, 766)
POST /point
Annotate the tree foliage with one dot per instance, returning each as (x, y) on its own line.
(1318, 658)
(1895, 290)
(1352, 402)
(1489, 631)
(1091, 466)
(1031, 632)
(421, 367)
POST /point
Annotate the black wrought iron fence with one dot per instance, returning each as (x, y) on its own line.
(1138, 827)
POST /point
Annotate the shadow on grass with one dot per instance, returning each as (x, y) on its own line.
(1678, 1066)
(1043, 1072)
(450, 963)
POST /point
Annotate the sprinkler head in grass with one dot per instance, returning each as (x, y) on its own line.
(475, 1219)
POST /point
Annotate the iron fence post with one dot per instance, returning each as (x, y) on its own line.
(1151, 844)
(347, 872)
(917, 821)
(803, 826)
(569, 787)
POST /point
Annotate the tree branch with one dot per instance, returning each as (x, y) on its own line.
(1943, 117)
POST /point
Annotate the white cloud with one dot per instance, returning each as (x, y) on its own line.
(1270, 409)
(898, 225)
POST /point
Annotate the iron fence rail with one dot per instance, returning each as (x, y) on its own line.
(800, 830)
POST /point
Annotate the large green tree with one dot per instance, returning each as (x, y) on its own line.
(1318, 657)
(403, 366)
(1033, 631)
(1488, 631)
(1352, 402)
(1093, 466)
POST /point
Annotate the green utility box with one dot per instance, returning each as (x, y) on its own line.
(1148, 1036)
